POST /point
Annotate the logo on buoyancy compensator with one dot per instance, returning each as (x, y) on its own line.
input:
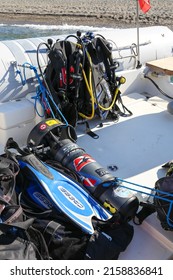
(71, 197)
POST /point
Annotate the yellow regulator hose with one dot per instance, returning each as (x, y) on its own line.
(113, 101)
(91, 95)
(90, 90)
(122, 80)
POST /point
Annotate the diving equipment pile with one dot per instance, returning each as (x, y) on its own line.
(60, 141)
(71, 222)
(55, 197)
(81, 80)
(115, 194)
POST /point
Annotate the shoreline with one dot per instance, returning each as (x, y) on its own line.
(97, 13)
(75, 19)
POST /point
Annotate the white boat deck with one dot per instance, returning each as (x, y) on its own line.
(138, 145)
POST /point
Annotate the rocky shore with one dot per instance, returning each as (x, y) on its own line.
(108, 13)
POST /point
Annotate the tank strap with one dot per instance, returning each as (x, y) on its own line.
(146, 210)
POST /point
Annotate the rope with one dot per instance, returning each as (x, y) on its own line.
(153, 195)
(42, 93)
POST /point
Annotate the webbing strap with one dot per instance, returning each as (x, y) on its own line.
(146, 211)
(126, 112)
(90, 132)
(11, 213)
(8, 172)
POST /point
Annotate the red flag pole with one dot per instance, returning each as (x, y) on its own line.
(137, 26)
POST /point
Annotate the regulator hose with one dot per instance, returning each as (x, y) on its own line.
(159, 89)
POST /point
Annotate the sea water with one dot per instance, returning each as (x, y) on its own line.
(17, 31)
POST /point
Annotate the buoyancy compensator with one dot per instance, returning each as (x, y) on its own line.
(63, 76)
(162, 202)
(81, 78)
(60, 143)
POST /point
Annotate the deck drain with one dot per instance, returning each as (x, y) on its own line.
(112, 167)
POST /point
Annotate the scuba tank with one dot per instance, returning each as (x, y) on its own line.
(61, 140)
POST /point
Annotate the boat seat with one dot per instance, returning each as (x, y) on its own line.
(17, 118)
(163, 66)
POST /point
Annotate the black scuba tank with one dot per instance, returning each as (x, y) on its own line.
(95, 178)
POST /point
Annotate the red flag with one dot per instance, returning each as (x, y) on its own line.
(144, 5)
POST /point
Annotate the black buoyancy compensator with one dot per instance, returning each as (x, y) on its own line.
(81, 78)
(162, 202)
(60, 141)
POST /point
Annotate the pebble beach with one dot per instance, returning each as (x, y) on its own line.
(104, 13)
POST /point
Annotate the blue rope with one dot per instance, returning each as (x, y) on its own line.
(37, 98)
(20, 74)
(151, 194)
(145, 187)
(168, 215)
(44, 92)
